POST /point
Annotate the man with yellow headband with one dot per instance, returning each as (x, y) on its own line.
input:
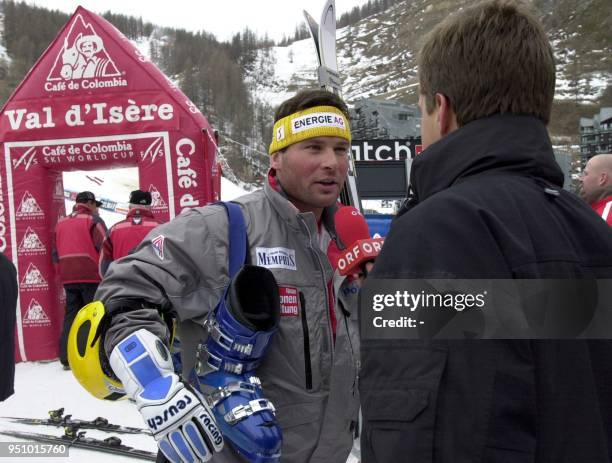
(309, 372)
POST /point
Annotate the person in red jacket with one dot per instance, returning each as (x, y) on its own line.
(596, 185)
(124, 236)
(78, 241)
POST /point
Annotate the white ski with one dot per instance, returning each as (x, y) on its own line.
(324, 38)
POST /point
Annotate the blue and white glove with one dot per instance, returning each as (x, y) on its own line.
(180, 421)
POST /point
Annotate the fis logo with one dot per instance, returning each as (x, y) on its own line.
(155, 149)
(27, 159)
(169, 412)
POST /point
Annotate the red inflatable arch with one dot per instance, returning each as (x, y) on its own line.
(92, 101)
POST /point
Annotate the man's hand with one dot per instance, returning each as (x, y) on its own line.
(181, 423)
(365, 270)
(179, 419)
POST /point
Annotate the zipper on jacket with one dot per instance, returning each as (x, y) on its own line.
(354, 360)
(306, 336)
(329, 326)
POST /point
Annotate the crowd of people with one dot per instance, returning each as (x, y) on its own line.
(276, 352)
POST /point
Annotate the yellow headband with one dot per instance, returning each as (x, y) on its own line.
(320, 121)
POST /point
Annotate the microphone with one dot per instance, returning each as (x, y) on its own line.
(352, 229)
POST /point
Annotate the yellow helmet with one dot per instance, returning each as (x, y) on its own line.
(87, 359)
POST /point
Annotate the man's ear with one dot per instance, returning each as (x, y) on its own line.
(603, 178)
(275, 160)
(446, 119)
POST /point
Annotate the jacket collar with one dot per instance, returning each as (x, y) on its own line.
(140, 211)
(602, 195)
(601, 202)
(499, 143)
(80, 208)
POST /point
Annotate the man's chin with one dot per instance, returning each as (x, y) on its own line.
(327, 200)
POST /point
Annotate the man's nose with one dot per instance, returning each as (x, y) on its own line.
(330, 160)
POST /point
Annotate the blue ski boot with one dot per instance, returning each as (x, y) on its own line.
(239, 332)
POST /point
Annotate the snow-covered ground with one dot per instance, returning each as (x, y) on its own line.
(40, 387)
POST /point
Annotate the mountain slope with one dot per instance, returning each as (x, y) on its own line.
(377, 56)
(238, 84)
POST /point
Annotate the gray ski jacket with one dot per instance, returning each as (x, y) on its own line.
(311, 380)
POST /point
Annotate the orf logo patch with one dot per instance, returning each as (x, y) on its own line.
(289, 301)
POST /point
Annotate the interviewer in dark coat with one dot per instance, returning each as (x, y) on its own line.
(489, 204)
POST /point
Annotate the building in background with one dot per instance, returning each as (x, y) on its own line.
(385, 136)
(596, 134)
(564, 159)
(372, 118)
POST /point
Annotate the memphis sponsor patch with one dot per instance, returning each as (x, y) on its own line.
(317, 120)
(276, 258)
(289, 301)
(158, 246)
